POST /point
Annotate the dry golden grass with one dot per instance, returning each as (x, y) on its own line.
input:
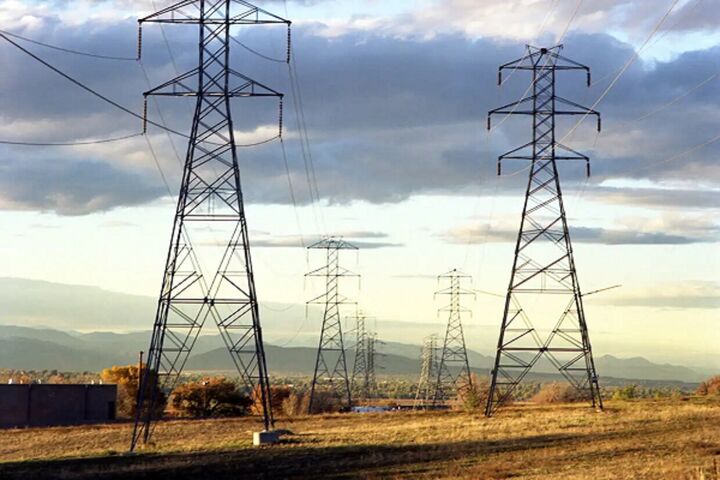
(645, 440)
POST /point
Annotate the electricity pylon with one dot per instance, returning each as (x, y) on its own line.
(210, 197)
(544, 267)
(331, 370)
(453, 369)
(359, 382)
(372, 354)
(428, 372)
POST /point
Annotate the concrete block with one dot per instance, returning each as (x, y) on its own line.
(265, 438)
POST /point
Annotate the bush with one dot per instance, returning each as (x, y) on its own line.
(628, 392)
(711, 386)
(295, 404)
(474, 396)
(210, 397)
(557, 393)
(298, 402)
(126, 379)
(278, 394)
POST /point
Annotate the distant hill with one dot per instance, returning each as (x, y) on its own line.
(77, 307)
(300, 360)
(43, 348)
(33, 354)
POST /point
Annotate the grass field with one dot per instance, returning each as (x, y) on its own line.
(669, 439)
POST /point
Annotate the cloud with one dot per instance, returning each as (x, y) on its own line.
(657, 197)
(70, 187)
(664, 230)
(684, 295)
(528, 21)
(389, 117)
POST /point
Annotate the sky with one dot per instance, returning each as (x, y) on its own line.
(395, 96)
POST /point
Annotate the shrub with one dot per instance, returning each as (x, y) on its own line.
(278, 394)
(628, 392)
(711, 386)
(473, 396)
(298, 402)
(210, 397)
(295, 404)
(557, 393)
(126, 379)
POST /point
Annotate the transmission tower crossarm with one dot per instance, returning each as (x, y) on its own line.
(251, 15)
(179, 87)
(334, 243)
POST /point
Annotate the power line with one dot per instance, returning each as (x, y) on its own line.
(292, 191)
(629, 62)
(259, 54)
(113, 102)
(537, 35)
(70, 144)
(674, 100)
(308, 161)
(86, 88)
(66, 50)
(157, 164)
(572, 18)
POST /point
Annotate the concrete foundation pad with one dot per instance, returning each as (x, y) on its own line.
(265, 438)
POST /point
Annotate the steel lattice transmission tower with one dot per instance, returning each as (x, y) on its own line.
(544, 267)
(372, 354)
(359, 382)
(331, 370)
(453, 372)
(210, 199)
(428, 372)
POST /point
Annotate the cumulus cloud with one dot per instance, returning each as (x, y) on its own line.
(389, 117)
(70, 187)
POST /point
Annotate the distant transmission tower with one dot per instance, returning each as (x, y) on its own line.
(360, 372)
(371, 387)
(210, 197)
(428, 372)
(331, 370)
(453, 370)
(544, 267)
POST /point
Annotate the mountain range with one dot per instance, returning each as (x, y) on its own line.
(30, 348)
(46, 325)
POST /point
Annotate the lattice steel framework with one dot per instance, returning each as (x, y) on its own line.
(210, 199)
(428, 372)
(359, 384)
(331, 370)
(372, 354)
(453, 372)
(544, 267)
